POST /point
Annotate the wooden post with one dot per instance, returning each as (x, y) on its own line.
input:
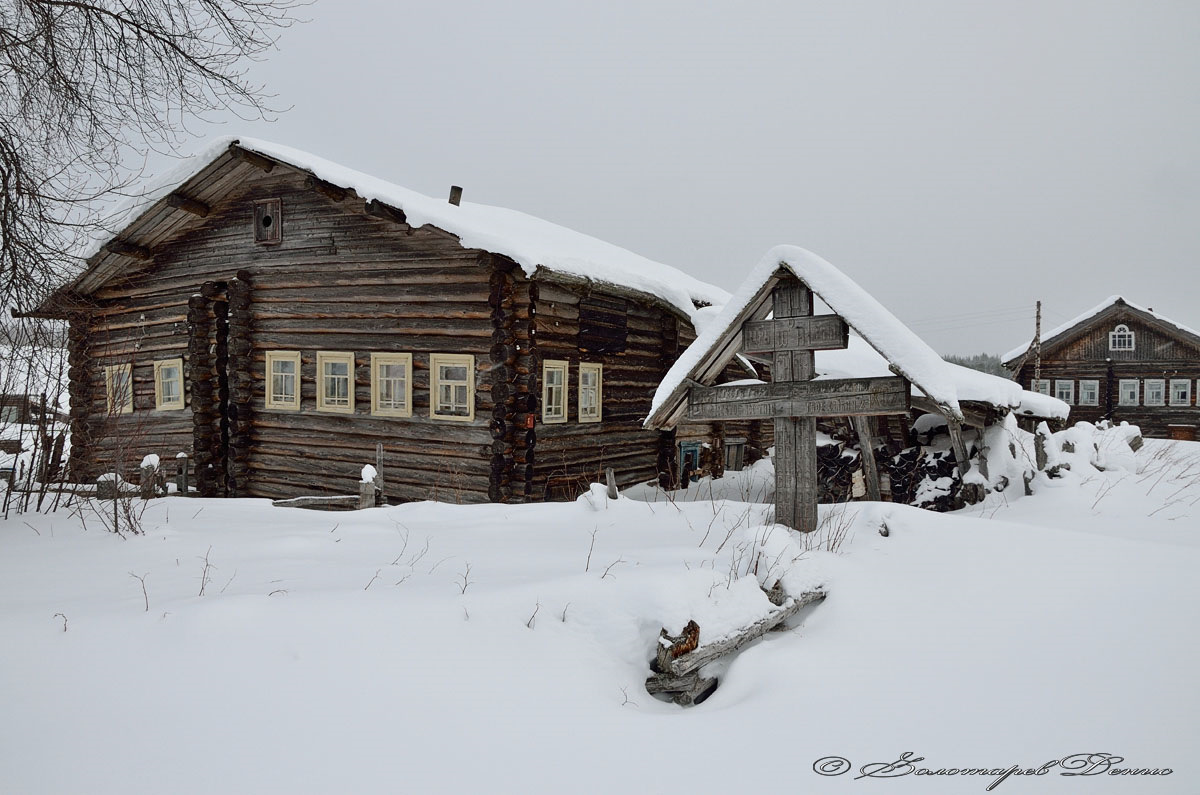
(366, 494)
(380, 497)
(866, 446)
(795, 437)
(958, 445)
(611, 479)
(149, 477)
(182, 486)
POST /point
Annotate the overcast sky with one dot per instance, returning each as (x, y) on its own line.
(959, 161)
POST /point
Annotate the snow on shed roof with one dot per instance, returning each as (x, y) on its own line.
(889, 345)
(1088, 315)
(531, 242)
(860, 360)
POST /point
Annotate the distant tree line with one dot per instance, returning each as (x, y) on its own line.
(983, 362)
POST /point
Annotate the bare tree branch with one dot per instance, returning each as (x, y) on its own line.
(89, 86)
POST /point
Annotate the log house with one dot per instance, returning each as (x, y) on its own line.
(275, 316)
(1122, 363)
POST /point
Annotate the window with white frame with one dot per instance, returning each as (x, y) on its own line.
(1065, 391)
(1181, 392)
(283, 380)
(1128, 392)
(1042, 386)
(452, 386)
(1120, 339)
(118, 388)
(168, 384)
(391, 384)
(554, 391)
(1089, 393)
(335, 381)
(1156, 390)
(591, 391)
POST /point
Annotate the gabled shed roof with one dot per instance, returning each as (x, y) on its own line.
(903, 351)
(540, 248)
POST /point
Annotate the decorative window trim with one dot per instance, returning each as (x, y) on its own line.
(1121, 339)
(271, 401)
(268, 221)
(379, 360)
(335, 357)
(110, 395)
(436, 362)
(585, 413)
(161, 403)
(1121, 387)
(1159, 385)
(1069, 391)
(1042, 387)
(1095, 392)
(554, 411)
(1187, 397)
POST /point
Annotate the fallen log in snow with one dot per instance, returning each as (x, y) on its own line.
(678, 659)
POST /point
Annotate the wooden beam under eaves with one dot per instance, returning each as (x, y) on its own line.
(124, 248)
(326, 189)
(253, 158)
(378, 209)
(188, 204)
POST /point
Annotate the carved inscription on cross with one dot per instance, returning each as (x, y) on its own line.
(793, 400)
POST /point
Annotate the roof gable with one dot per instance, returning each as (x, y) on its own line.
(542, 249)
(1108, 312)
(903, 351)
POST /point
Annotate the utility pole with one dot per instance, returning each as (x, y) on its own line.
(1037, 349)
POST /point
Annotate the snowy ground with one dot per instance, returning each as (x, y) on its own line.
(436, 648)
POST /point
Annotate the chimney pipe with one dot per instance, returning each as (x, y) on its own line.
(455, 195)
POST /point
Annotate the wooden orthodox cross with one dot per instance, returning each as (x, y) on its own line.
(793, 400)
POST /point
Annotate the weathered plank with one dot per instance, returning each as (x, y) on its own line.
(821, 333)
(710, 652)
(866, 447)
(844, 397)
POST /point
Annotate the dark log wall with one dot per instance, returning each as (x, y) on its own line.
(1157, 354)
(636, 343)
(339, 280)
(571, 454)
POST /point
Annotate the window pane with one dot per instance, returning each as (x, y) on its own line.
(453, 372)
(391, 380)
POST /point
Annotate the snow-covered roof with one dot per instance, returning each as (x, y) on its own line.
(534, 244)
(886, 346)
(1104, 305)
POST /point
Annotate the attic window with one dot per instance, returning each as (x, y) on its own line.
(1120, 339)
(268, 214)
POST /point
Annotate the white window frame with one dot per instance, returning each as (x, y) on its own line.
(1127, 383)
(1187, 397)
(1041, 386)
(378, 361)
(585, 412)
(1070, 391)
(436, 362)
(1095, 389)
(126, 406)
(271, 401)
(1121, 332)
(160, 402)
(335, 357)
(554, 406)
(1161, 385)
